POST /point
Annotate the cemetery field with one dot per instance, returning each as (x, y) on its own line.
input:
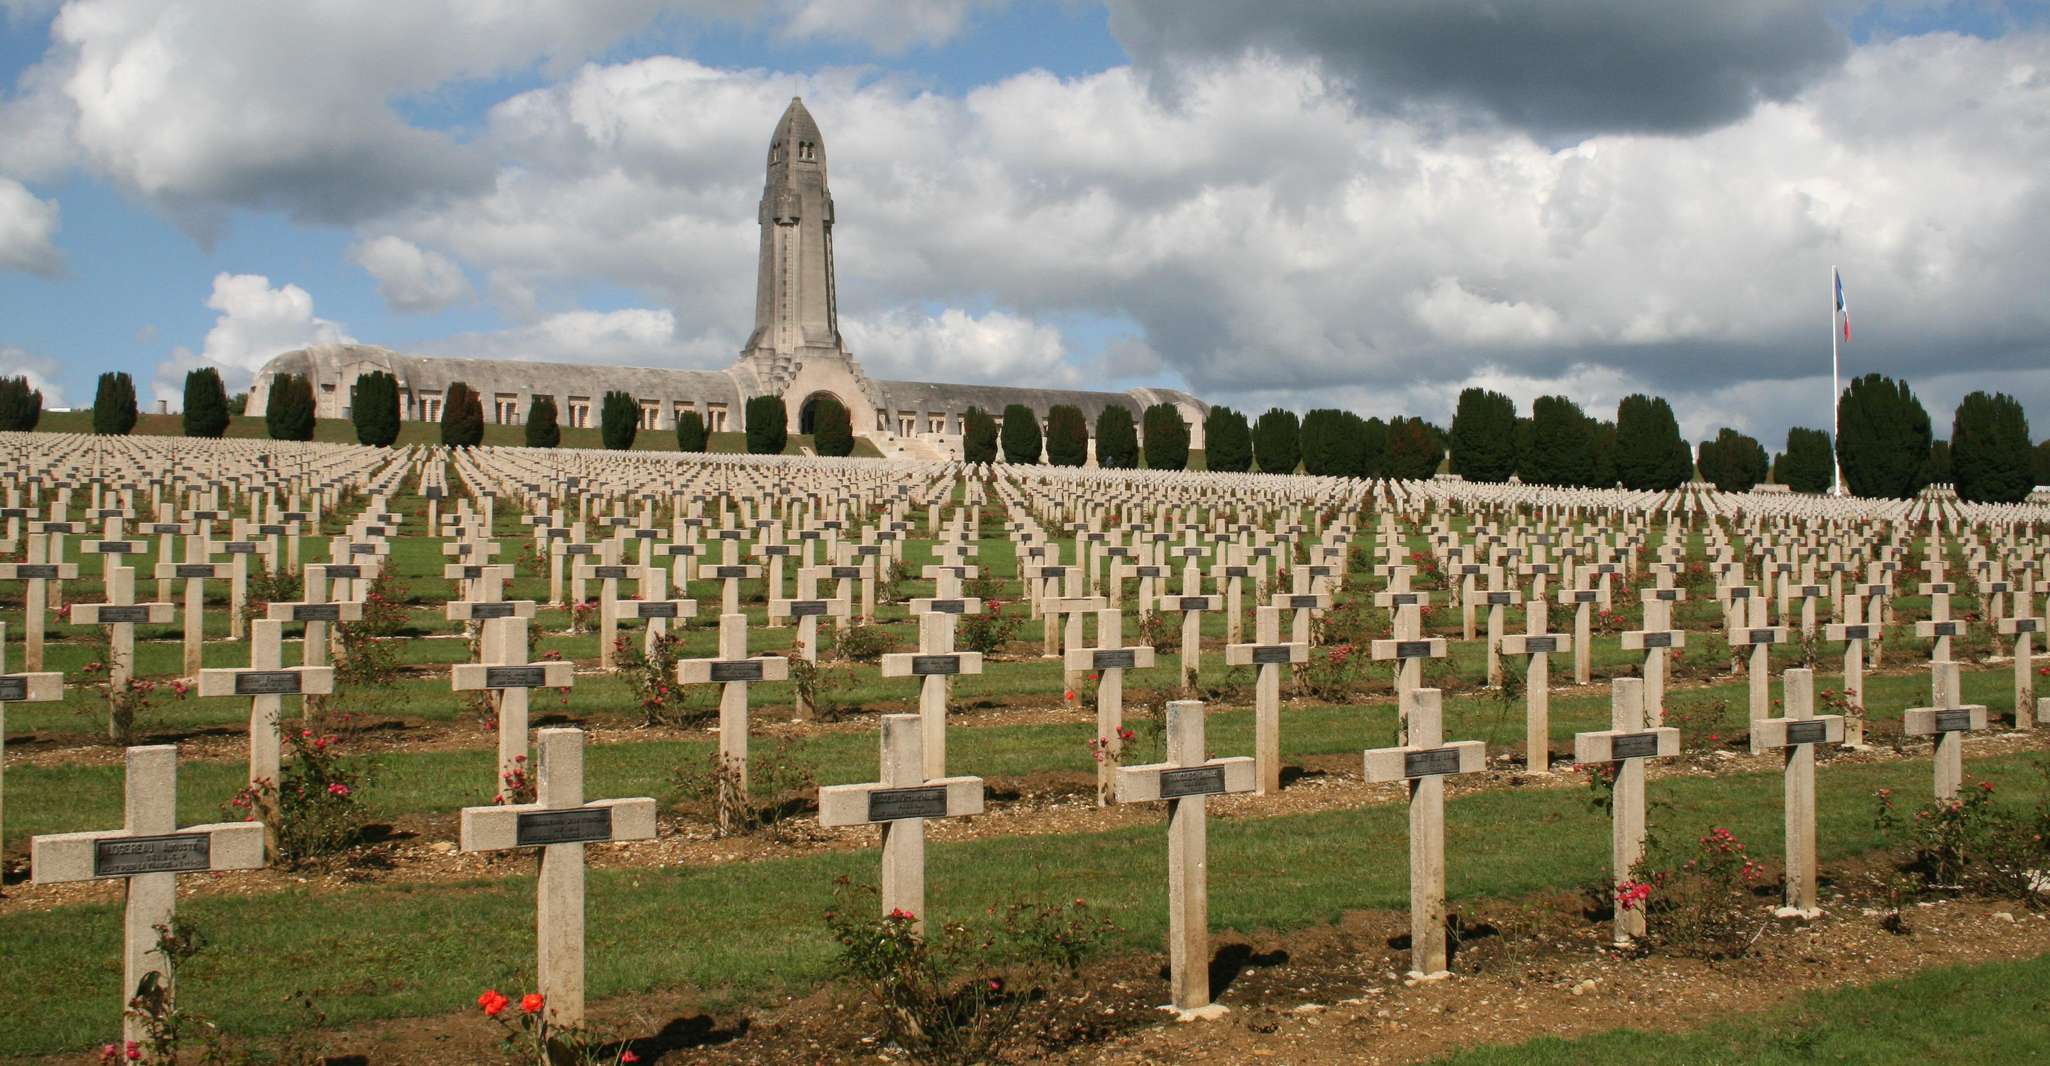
(677, 696)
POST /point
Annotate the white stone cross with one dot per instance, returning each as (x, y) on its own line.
(267, 682)
(1184, 780)
(35, 687)
(1409, 656)
(1537, 684)
(609, 572)
(1855, 631)
(1583, 602)
(807, 607)
(1797, 734)
(1267, 655)
(733, 671)
(38, 574)
(1425, 762)
(560, 823)
(900, 803)
(1948, 721)
(1628, 742)
(1759, 638)
(1109, 660)
(507, 672)
(1191, 603)
(2022, 630)
(933, 663)
(120, 614)
(195, 572)
(149, 851)
(1654, 643)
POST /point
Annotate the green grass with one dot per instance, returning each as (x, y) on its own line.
(1963, 1015)
(751, 930)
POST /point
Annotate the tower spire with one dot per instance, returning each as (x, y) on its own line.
(796, 306)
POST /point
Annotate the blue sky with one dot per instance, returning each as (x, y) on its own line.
(1294, 204)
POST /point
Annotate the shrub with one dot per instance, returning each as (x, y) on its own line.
(1702, 905)
(1883, 437)
(1067, 435)
(1649, 452)
(1167, 438)
(978, 436)
(1278, 441)
(861, 644)
(1021, 435)
(991, 630)
(206, 403)
(1990, 456)
(1117, 439)
(128, 703)
(462, 417)
(1806, 465)
(532, 1037)
(544, 428)
(832, 428)
(1334, 443)
(619, 421)
(768, 425)
(21, 405)
(374, 407)
(1227, 441)
(1483, 436)
(1561, 449)
(1733, 461)
(114, 411)
(1415, 449)
(777, 787)
(690, 432)
(650, 671)
(315, 809)
(288, 412)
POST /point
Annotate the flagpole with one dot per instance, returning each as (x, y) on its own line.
(1835, 393)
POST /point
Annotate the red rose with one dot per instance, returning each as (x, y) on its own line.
(530, 1003)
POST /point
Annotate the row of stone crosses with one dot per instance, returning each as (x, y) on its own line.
(846, 524)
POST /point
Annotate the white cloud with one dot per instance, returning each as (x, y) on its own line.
(40, 372)
(411, 278)
(256, 322)
(28, 230)
(955, 346)
(888, 26)
(635, 336)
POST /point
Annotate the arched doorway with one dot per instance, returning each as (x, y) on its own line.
(808, 411)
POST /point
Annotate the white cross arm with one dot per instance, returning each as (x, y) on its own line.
(1846, 631)
(921, 664)
(1402, 599)
(38, 571)
(292, 681)
(933, 573)
(1947, 628)
(944, 797)
(470, 677)
(937, 605)
(485, 610)
(476, 571)
(1576, 597)
(1134, 658)
(1790, 732)
(1666, 595)
(117, 853)
(1161, 781)
(31, 688)
(815, 608)
(662, 608)
(1427, 648)
(487, 549)
(1265, 654)
(1302, 601)
(530, 825)
(1076, 604)
(1536, 643)
(346, 611)
(760, 668)
(605, 571)
(2014, 627)
(1186, 603)
(1746, 636)
(1805, 592)
(1929, 721)
(103, 614)
(1612, 745)
(110, 547)
(1409, 763)
(196, 571)
(1649, 639)
(730, 571)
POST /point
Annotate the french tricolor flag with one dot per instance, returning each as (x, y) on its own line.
(1840, 308)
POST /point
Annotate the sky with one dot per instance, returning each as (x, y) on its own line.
(1296, 203)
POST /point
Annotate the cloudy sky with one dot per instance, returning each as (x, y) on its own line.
(1296, 202)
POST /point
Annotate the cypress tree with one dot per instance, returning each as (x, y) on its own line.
(1022, 441)
(1167, 438)
(1333, 443)
(21, 405)
(288, 415)
(1650, 454)
(206, 403)
(1279, 441)
(462, 417)
(978, 436)
(2039, 459)
(1227, 442)
(690, 432)
(1604, 449)
(832, 428)
(619, 421)
(1373, 448)
(1936, 467)
(1804, 466)
(1733, 461)
(1561, 450)
(1989, 449)
(1483, 437)
(114, 411)
(768, 425)
(1117, 439)
(1416, 448)
(374, 406)
(1883, 437)
(1067, 435)
(543, 428)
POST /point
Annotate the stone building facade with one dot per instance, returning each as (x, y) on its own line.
(794, 351)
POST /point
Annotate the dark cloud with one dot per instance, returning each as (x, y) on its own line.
(1562, 69)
